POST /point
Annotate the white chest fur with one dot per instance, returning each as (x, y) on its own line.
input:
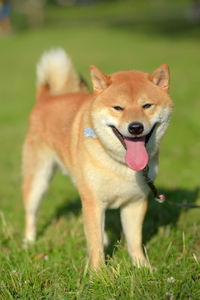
(112, 182)
(113, 189)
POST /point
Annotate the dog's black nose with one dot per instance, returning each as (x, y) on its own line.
(135, 128)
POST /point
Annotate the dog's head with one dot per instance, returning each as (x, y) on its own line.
(131, 113)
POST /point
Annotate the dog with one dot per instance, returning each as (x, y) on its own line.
(101, 139)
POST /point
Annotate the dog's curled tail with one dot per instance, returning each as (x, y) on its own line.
(56, 72)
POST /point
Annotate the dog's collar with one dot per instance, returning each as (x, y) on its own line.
(89, 132)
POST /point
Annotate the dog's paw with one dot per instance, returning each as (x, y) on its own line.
(27, 242)
(141, 262)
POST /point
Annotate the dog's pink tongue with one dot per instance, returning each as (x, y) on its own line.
(136, 154)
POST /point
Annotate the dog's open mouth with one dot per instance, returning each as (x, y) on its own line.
(136, 155)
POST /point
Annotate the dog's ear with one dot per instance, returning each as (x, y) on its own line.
(100, 81)
(160, 77)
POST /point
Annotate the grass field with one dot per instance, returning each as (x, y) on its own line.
(55, 267)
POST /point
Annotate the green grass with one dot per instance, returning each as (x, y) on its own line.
(55, 267)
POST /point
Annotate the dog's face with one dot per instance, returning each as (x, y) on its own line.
(131, 113)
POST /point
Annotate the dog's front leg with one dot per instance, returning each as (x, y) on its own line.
(132, 216)
(94, 217)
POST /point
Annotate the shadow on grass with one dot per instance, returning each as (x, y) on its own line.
(64, 210)
(164, 214)
(157, 215)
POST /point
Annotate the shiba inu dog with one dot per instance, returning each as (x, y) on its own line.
(102, 140)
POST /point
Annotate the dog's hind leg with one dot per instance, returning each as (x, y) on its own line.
(106, 240)
(38, 167)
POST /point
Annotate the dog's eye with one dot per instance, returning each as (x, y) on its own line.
(118, 108)
(147, 105)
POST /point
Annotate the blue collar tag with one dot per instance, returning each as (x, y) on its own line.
(89, 132)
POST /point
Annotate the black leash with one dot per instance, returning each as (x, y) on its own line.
(161, 197)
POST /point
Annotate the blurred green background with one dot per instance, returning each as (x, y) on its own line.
(113, 35)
